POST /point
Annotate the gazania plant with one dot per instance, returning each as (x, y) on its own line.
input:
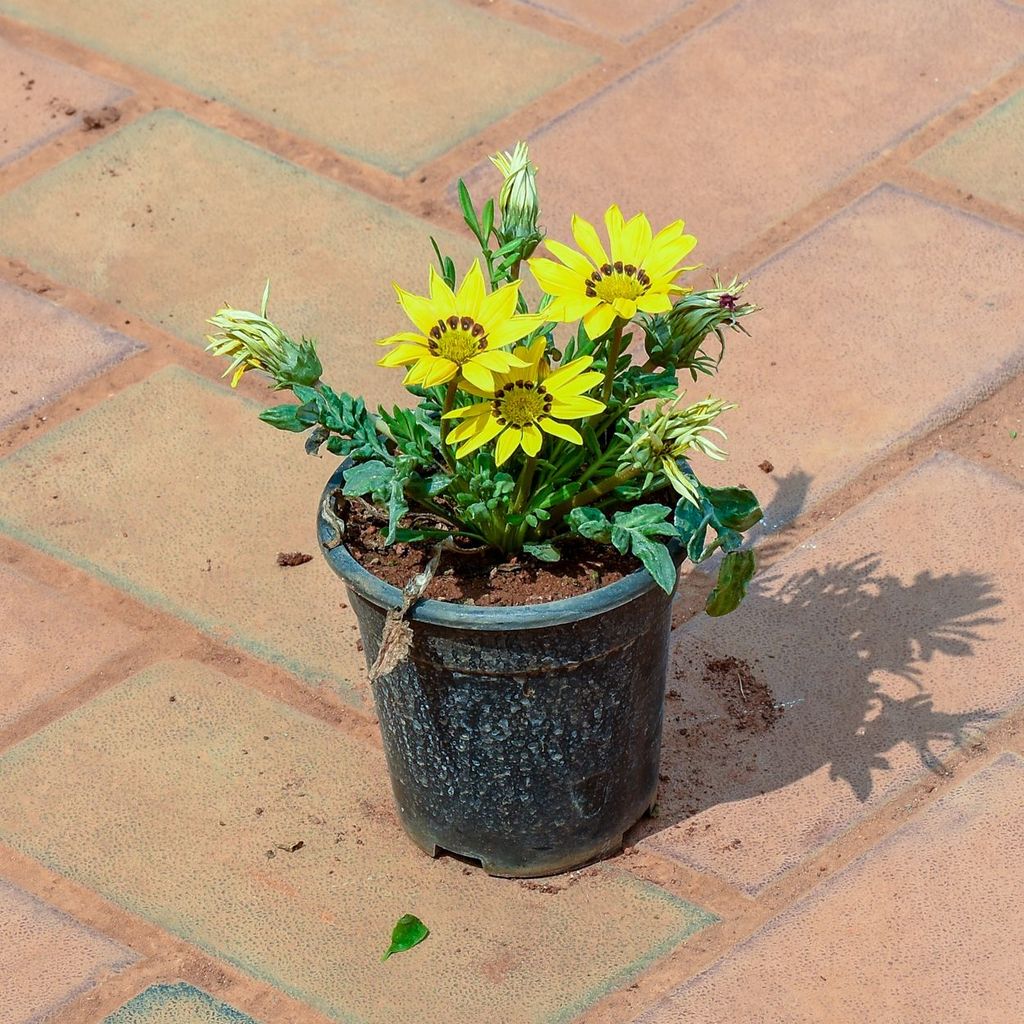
(528, 427)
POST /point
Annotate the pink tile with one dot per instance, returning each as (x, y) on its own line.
(47, 958)
(887, 636)
(47, 350)
(41, 98)
(924, 927)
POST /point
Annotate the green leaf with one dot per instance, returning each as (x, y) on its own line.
(397, 506)
(590, 523)
(408, 932)
(735, 507)
(734, 576)
(656, 560)
(368, 477)
(488, 219)
(306, 394)
(404, 535)
(288, 417)
(544, 551)
(468, 212)
(643, 516)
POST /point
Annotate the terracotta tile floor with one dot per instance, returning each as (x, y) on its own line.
(173, 705)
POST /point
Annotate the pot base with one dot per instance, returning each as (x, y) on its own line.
(539, 867)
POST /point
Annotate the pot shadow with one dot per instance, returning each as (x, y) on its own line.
(843, 650)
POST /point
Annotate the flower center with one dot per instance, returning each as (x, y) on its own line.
(617, 281)
(520, 403)
(457, 339)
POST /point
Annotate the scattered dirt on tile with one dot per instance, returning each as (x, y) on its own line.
(749, 702)
(289, 558)
(483, 578)
(102, 117)
(766, 467)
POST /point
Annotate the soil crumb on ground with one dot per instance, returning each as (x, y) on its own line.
(749, 703)
(93, 120)
(287, 558)
(483, 578)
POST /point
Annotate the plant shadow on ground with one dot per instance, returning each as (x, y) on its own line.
(844, 651)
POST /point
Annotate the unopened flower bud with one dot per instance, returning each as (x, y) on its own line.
(518, 197)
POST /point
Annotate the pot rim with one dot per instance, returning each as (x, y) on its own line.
(494, 618)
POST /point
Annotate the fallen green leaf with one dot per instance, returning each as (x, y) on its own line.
(408, 932)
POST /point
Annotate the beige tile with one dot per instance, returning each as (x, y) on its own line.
(393, 89)
(174, 787)
(190, 516)
(173, 255)
(985, 158)
(179, 1003)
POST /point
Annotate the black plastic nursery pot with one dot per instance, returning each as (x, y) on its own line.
(526, 738)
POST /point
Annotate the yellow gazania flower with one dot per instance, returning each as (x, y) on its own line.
(525, 401)
(638, 274)
(462, 333)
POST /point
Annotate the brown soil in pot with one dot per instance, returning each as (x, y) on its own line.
(485, 578)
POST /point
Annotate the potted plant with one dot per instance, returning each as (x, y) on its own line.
(539, 483)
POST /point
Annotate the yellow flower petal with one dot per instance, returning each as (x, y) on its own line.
(403, 355)
(598, 320)
(566, 373)
(513, 329)
(666, 254)
(626, 308)
(636, 240)
(576, 408)
(576, 386)
(471, 292)
(562, 430)
(462, 411)
(416, 339)
(442, 371)
(507, 445)
(654, 302)
(557, 279)
(567, 308)
(570, 257)
(489, 428)
(498, 306)
(586, 238)
(532, 439)
(495, 360)
(614, 224)
(477, 375)
(441, 296)
(469, 427)
(418, 309)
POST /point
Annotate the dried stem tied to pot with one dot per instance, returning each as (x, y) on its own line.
(529, 426)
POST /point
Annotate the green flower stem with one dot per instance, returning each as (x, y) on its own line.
(592, 494)
(613, 358)
(523, 485)
(449, 404)
(514, 534)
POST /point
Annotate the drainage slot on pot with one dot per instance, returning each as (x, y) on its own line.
(476, 862)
